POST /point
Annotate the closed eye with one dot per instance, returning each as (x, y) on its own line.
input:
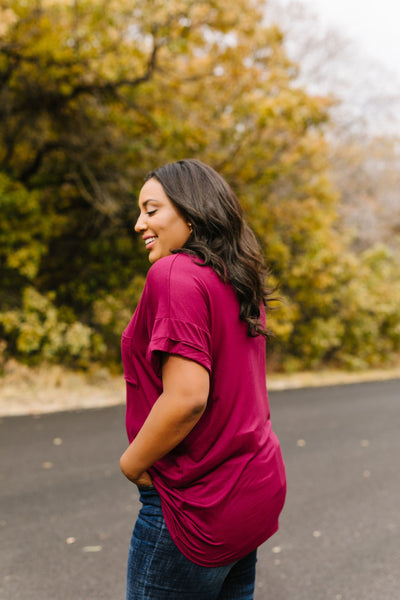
(151, 212)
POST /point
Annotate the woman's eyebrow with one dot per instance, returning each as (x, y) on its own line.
(145, 203)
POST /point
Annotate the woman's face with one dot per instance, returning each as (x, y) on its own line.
(162, 226)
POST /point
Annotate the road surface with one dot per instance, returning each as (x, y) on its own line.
(66, 512)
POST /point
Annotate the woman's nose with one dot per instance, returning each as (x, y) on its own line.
(140, 225)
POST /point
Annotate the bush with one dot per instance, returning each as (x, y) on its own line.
(35, 332)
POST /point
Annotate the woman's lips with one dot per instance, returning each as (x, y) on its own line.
(149, 242)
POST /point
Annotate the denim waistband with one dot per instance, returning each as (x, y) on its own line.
(149, 495)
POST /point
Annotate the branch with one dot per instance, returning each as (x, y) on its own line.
(94, 193)
(12, 54)
(111, 87)
(31, 169)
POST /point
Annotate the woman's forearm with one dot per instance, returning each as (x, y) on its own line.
(170, 420)
(184, 399)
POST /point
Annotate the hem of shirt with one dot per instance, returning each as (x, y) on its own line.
(232, 558)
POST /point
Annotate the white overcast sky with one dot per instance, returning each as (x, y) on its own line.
(373, 24)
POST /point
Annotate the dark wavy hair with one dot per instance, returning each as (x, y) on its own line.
(220, 236)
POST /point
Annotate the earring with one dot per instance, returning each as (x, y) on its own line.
(190, 226)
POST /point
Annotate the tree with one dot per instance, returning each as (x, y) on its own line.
(363, 165)
(93, 94)
(364, 123)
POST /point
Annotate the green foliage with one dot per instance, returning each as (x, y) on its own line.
(22, 237)
(94, 94)
(343, 311)
(36, 332)
(370, 310)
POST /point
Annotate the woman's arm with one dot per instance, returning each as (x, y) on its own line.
(186, 387)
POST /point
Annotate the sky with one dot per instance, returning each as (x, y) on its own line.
(372, 24)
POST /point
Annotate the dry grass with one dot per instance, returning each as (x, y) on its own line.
(51, 388)
(25, 390)
(329, 377)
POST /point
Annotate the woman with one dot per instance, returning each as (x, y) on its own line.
(202, 452)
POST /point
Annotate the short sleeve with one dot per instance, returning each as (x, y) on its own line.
(179, 317)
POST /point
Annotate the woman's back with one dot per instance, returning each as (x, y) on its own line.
(223, 487)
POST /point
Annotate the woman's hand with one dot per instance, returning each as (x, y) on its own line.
(144, 480)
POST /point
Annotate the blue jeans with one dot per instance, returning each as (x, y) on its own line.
(157, 569)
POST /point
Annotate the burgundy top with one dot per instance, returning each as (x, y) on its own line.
(223, 487)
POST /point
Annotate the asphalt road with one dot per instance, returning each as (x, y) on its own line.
(66, 512)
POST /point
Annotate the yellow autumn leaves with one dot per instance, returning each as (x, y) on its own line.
(93, 94)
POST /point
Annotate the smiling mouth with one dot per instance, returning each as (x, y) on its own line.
(150, 240)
